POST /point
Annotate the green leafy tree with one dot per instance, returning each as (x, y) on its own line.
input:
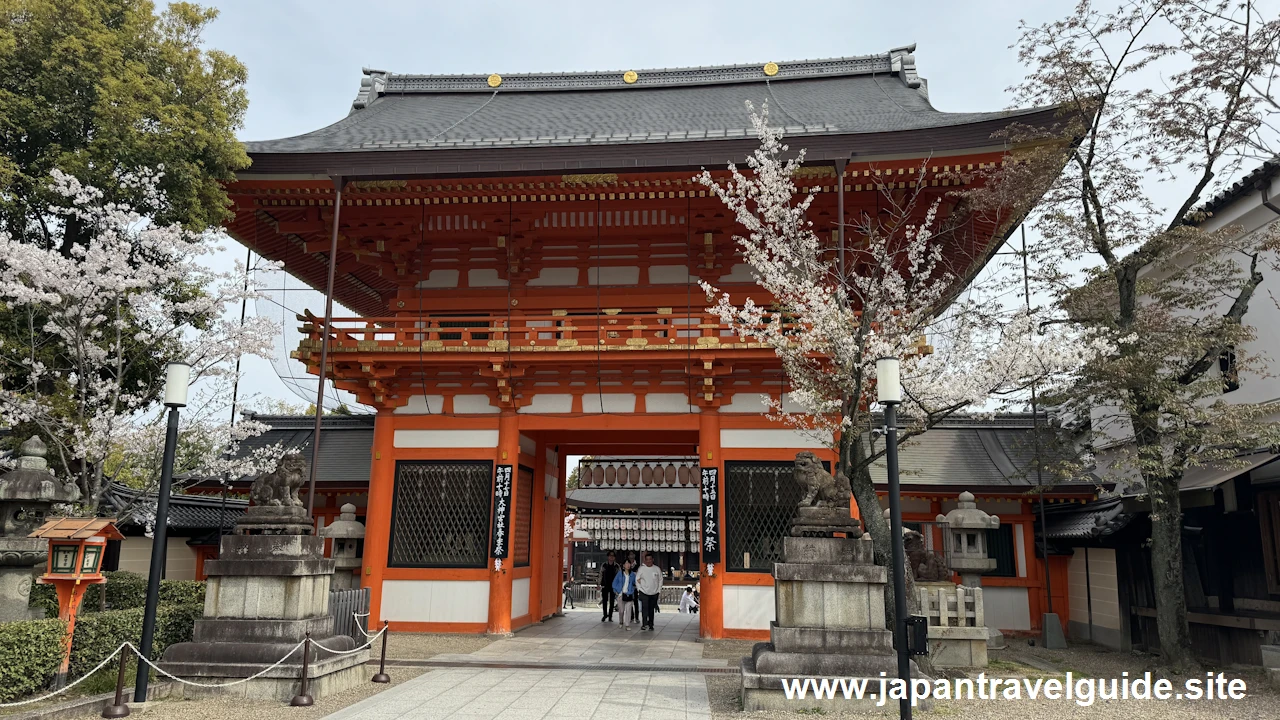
(90, 87)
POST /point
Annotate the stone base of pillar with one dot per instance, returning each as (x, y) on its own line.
(265, 594)
(829, 595)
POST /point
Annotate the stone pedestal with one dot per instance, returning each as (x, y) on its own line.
(829, 598)
(957, 632)
(26, 495)
(19, 558)
(264, 594)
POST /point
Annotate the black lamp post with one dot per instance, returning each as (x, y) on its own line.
(889, 393)
(177, 377)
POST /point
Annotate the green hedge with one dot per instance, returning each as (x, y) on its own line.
(125, 590)
(98, 634)
(30, 652)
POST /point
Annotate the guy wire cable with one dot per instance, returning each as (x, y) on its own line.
(510, 279)
(422, 323)
(688, 308)
(601, 333)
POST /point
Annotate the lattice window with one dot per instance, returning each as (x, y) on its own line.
(760, 498)
(1000, 545)
(440, 514)
(523, 518)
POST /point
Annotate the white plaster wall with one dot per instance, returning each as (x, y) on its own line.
(739, 273)
(613, 276)
(748, 607)
(519, 597)
(1104, 587)
(179, 561)
(1020, 548)
(746, 403)
(446, 438)
(528, 445)
(669, 403)
(670, 275)
(553, 276)
(435, 600)
(1007, 608)
(609, 402)
(738, 438)
(422, 405)
(549, 403)
(484, 277)
(474, 405)
(1077, 592)
(441, 279)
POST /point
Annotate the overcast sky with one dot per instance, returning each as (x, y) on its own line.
(304, 57)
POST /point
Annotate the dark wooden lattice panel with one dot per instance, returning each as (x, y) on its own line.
(520, 533)
(440, 514)
(760, 498)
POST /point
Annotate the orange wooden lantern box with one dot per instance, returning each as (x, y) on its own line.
(76, 549)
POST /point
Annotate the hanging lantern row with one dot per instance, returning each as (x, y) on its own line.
(608, 544)
(657, 472)
(601, 522)
(656, 535)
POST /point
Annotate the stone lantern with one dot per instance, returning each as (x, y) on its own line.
(346, 533)
(26, 495)
(969, 526)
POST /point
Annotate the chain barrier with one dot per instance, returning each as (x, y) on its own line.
(356, 650)
(55, 693)
(171, 676)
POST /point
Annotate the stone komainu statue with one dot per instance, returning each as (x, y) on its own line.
(821, 489)
(280, 487)
(926, 564)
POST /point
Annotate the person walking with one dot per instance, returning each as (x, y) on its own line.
(635, 565)
(608, 598)
(624, 585)
(648, 585)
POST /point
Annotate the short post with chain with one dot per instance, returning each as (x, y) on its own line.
(303, 698)
(382, 676)
(118, 709)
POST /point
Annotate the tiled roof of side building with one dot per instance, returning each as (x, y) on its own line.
(346, 448)
(1249, 183)
(840, 96)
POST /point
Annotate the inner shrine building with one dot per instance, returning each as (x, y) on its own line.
(521, 257)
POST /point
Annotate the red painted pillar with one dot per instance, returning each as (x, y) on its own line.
(711, 613)
(377, 520)
(500, 580)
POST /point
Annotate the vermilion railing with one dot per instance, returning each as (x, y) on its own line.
(609, 330)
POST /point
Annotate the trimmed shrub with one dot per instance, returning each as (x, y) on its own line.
(30, 652)
(44, 596)
(125, 590)
(182, 592)
(98, 634)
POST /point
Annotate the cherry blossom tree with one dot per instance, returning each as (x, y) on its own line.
(98, 325)
(1170, 100)
(829, 315)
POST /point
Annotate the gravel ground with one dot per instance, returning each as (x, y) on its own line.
(421, 646)
(1021, 660)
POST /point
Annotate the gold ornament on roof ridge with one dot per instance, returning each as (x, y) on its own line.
(771, 69)
(495, 80)
(630, 77)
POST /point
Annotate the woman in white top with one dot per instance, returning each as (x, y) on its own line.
(688, 603)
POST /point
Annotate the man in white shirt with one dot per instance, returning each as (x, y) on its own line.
(648, 585)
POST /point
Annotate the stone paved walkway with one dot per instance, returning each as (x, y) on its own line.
(655, 690)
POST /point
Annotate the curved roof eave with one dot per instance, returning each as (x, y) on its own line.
(636, 157)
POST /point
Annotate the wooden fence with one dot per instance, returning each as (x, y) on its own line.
(350, 611)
